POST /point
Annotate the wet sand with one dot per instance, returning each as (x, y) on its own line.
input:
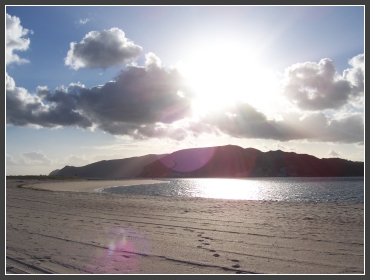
(67, 228)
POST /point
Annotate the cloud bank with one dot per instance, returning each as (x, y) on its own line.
(153, 102)
(102, 50)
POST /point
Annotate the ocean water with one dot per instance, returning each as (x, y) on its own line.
(312, 189)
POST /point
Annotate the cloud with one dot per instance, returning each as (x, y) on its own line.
(320, 128)
(36, 158)
(292, 149)
(11, 161)
(244, 121)
(318, 86)
(77, 160)
(15, 40)
(102, 50)
(29, 158)
(131, 104)
(44, 109)
(333, 153)
(356, 76)
(151, 101)
(349, 130)
(280, 147)
(152, 61)
(84, 21)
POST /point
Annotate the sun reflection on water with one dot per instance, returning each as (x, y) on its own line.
(227, 188)
(335, 189)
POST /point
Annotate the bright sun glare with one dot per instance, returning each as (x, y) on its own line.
(223, 74)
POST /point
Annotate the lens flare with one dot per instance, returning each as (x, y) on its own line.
(123, 248)
(188, 160)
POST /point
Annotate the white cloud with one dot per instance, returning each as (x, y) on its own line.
(356, 76)
(84, 21)
(15, 40)
(318, 86)
(152, 61)
(102, 50)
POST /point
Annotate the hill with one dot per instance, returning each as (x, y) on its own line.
(220, 161)
(108, 169)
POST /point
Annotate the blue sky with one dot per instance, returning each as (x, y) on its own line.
(85, 84)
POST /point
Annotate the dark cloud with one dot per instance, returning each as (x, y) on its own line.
(163, 131)
(102, 50)
(314, 87)
(45, 109)
(15, 40)
(244, 121)
(349, 129)
(139, 95)
(320, 128)
(132, 104)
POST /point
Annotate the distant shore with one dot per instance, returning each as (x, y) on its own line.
(65, 227)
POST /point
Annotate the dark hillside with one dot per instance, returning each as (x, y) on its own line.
(216, 162)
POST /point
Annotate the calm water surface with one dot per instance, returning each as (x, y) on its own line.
(337, 189)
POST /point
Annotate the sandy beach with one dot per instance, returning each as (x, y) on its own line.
(67, 228)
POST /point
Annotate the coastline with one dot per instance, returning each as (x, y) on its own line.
(85, 185)
(68, 228)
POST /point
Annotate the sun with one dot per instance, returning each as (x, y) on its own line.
(226, 73)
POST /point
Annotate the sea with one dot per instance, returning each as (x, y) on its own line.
(291, 189)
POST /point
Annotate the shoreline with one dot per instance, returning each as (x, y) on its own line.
(81, 231)
(86, 185)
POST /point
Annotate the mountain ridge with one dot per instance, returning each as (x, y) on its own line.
(229, 161)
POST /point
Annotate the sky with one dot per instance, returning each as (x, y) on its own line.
(91, 83)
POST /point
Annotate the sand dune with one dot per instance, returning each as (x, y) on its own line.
(77, 231)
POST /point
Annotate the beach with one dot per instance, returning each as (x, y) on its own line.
(65, 227)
